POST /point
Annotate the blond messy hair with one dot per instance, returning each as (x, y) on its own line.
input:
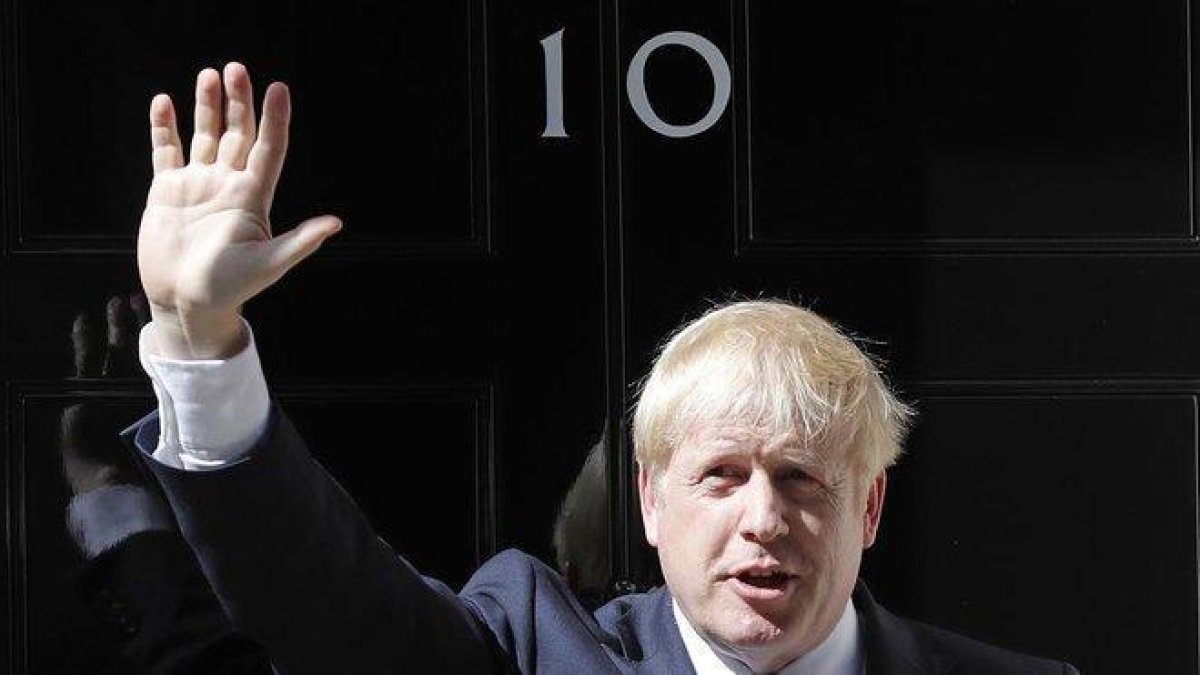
(775, 366)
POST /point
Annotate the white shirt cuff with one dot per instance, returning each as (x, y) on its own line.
(102, 518)
(211, 412)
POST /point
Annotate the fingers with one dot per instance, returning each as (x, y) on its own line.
(114, 314)
(206, 137)
(112, 353)
(266, 157)
(121, 335)
(239, 117)
(225, 130)
(81, 345)
(166, 150)
(287, 249)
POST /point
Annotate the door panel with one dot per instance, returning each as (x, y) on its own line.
(1004, 521)
(995, 196)
(967, 122)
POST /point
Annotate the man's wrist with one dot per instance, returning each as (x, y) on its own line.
(195, 338)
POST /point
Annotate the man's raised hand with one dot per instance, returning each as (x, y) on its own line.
(205, 244)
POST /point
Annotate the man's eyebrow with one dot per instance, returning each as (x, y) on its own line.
(803, 454)
(789, 449)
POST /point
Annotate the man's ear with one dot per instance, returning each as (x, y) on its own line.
(874, 510)
(648, 496)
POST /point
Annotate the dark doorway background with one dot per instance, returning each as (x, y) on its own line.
(1000, 193)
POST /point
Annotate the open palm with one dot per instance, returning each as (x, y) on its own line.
(205, 245)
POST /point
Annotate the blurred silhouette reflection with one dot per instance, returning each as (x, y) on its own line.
(581, 530)
(144, 581)
(140, 577)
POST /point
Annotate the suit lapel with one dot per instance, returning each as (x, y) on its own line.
(650, 638)
(891, 645)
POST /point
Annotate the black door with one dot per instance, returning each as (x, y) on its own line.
(998, 193)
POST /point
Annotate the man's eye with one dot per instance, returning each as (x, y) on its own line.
(721, 473)
(799, 475)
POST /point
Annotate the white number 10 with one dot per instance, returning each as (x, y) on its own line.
(635, 84)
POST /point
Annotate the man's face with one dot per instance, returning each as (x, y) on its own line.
(759, 537)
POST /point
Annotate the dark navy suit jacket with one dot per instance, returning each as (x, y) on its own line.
(297, 567)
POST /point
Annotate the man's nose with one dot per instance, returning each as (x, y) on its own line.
(763, 517)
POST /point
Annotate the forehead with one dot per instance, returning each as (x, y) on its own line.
(709, 440)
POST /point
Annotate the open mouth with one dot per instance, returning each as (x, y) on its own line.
(773, 581)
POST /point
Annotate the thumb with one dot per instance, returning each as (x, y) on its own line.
(287, 249)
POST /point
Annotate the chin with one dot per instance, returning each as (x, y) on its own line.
(753, 630)
(759, 644)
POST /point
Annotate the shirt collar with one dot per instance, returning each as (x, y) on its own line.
(840, 654)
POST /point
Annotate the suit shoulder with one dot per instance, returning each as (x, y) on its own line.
(535, 618)
(516, 581)
(974, 656)
(512, 567)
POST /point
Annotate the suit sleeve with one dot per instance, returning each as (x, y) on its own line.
(297, 567)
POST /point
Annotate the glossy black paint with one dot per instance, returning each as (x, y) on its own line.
(998, 191)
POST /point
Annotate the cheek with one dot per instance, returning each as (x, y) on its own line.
(819, 519)
(813, 523)
(828, 537)
(701, 528)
